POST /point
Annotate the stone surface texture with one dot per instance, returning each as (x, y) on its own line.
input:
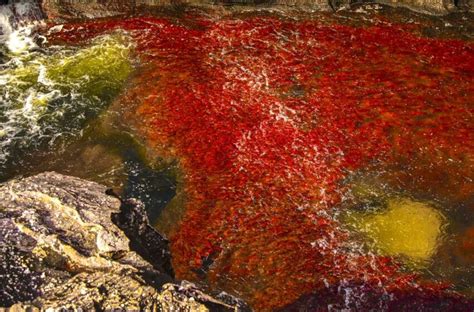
(60, 249)
(104, 8)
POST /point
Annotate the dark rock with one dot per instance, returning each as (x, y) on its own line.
(20, 282)
(144, 239)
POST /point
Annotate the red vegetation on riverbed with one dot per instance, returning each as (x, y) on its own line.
(267, 117)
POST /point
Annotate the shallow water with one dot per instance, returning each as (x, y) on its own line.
(286, 157)
(49, 95)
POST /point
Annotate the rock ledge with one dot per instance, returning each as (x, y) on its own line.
(60, 249)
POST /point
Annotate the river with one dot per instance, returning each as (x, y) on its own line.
(295, 160)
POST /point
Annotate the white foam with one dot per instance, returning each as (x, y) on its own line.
(6, 27)
(17, 24)
(21, 40)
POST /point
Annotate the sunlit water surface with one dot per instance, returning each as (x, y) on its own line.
(282, 157)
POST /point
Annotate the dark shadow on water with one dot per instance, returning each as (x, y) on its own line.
(115, 160)
(155, 188)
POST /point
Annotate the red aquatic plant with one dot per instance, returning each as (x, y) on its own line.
(267, 117)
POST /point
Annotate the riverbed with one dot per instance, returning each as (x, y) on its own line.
(294, 159)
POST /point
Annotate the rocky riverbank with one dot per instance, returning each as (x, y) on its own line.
(263, 144)
(66, 244)
(107, 8)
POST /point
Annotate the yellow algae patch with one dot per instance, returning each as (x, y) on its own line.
(98, 70)
(408, 228)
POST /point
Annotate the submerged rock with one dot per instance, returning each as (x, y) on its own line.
(375, 299)
(60, 249)
(406, 228)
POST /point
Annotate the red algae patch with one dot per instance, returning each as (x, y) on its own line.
(267, 117)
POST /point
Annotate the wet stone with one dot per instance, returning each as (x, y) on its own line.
(60, 249)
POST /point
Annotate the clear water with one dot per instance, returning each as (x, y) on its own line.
(287, 157)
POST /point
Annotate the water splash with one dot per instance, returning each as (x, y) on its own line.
(46, 95)
(17, 24)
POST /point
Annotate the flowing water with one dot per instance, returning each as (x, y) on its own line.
(298, 161)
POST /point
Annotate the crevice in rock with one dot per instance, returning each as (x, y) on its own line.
(40, 270)
(144, 239)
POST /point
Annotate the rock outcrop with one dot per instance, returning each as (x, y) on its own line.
(105, 8)
(60, 249)
(86, 9)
